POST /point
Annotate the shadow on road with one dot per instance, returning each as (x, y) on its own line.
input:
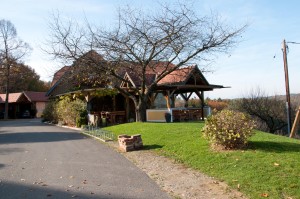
(21, 122)
(10, 150)
(32, 131)
(10, 138)
(10, 190)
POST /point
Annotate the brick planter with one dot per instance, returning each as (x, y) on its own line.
(130, 143)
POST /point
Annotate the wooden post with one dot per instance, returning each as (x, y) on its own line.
(127, 108)
(287, 87)
(152, 98)
(173, 97)
(202, 104)
(296, 123)
(167, 97)
(88, 99)
(114, 103)
(201, 97)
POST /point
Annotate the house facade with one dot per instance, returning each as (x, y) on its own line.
(105, 101)
(26, 104)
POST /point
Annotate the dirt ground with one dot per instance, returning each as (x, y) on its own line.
(176, 179)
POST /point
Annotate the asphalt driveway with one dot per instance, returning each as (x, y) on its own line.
(45, 161)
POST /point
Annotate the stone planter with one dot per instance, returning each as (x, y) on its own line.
(130, 143)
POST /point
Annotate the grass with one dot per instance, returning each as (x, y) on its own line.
(271, 164)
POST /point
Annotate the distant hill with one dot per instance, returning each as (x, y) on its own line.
(295, 99)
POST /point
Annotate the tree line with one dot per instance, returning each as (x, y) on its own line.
(14, 75)
(269, 112)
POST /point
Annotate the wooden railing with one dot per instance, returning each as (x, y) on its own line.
(181, 115)
(107, 117)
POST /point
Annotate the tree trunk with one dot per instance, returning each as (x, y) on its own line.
(140, 109)
(7, 91)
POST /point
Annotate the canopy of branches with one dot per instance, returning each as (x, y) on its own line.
(22, 78)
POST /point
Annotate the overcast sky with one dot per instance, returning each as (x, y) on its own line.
(255, 62)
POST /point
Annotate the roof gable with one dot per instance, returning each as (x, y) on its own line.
(184, 76)
(58, 74)
(12, 97)
(26, 96)
(128, 82)
(36, 96)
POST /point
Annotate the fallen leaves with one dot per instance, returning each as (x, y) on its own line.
(276, 164)
(265, 195)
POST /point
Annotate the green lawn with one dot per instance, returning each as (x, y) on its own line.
(270, 166)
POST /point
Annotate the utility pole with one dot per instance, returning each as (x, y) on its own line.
(287, 87)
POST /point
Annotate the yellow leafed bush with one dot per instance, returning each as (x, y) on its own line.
(229, 129)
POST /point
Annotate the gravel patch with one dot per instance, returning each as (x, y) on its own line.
(178, 180)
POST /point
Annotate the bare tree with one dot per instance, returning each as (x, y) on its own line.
(12, 49)
(173, 37)
(270, 112)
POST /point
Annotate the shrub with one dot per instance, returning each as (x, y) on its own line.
(82, 119)
(49, 113)
(228, 129)
(71, 112)
(66, 111)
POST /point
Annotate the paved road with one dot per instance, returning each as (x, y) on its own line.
(44, 161)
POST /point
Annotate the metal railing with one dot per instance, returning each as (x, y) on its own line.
(99, 133)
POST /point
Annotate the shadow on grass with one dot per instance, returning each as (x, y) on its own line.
(277, 147)
(151, 147)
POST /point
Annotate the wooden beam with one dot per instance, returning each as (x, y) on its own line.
(167, 97)
(198, 94)
(87, 97)
(173, 101)
(152, 98)
(202, 104)
(127, 108)
(183, 96)
(114, 103)
(296, 124)
(201, 97)
(188, 97)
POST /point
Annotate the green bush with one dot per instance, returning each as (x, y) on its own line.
(49, 113)
(228, 129)
(82, 119)
(66, 111)
(69, 111)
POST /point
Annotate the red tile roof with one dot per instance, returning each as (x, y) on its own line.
(59, 74)
(29, 95)
(36, 96)
(157, 67)
(177, 76)
(12, 97)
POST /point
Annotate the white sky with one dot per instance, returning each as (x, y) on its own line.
(250, 65)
